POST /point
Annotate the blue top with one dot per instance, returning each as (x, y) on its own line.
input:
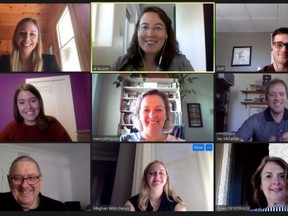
(134, 137)
(261, 127)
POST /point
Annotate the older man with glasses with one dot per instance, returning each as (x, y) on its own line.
(279, 51)
(25, 181)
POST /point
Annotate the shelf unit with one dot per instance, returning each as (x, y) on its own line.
(133, 87)
(253, 102)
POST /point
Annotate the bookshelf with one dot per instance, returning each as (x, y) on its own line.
(133, 87)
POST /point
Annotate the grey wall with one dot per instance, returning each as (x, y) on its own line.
(260, 42)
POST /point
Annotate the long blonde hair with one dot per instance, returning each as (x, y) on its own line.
(37, 60)
(145, 189)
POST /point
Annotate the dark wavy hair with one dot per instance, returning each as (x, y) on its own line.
(42, 120)
(258, 194)
(282, 30)
(171, 48)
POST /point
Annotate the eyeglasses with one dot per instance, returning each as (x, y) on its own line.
(279, 45)
(145, 27)
(17, 180)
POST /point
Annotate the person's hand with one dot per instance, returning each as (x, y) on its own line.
(284, 137)
(272, 139)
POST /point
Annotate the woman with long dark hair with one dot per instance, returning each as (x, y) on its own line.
(30, 122)
(153, 46)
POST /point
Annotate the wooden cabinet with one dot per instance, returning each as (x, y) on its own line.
(134, 87)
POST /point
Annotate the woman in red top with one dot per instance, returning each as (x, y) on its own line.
(31, 123)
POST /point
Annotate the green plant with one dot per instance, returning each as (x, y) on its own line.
(121, 77)
(184, 81)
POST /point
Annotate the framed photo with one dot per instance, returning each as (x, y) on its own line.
(194, 115)
(241, 56)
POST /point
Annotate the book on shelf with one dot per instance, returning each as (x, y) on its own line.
(127, 118)
(128, 105)
(177, 118)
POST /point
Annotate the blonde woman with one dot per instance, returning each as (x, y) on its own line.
(26, 52)
(155, 192)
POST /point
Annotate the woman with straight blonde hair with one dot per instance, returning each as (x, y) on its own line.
(26, 54)
(155, 191)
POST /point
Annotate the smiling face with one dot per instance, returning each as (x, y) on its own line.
(152, 114)
(273, 183)
(152, 36)
(25, 194)
(277, 98)
(280, 55)
(26, 37)
(28, 106)
(156, 176)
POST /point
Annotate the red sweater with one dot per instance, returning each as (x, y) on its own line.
(19, 132)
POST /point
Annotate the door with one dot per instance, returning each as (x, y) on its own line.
(57, 97)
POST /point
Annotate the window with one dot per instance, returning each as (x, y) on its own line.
(66, 38)
(102, 24)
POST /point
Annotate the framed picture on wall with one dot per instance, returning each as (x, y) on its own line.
(194, 115)
(241, 56)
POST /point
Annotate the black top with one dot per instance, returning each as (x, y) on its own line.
(8, 203)
(49, 63)
(165, 204)
(268, 68)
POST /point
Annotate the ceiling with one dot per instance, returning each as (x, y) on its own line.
(61, 148)
(251, 17)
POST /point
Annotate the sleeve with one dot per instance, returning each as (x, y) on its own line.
(50, 64)
(246, 131)
(5, 134)
(187, 65)
(120, 64)
(62, 134)
(5, 63)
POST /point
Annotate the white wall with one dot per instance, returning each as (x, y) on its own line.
(58, 169)
(80, 174)
(261, 49)
(191, 174)
(108, 55)
(204, 87)
(238, 113)
(190, 33)
(109, 112)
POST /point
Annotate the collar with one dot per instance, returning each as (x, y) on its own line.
(268, 116)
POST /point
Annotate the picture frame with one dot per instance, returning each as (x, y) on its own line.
(241, 56)
(194, 115)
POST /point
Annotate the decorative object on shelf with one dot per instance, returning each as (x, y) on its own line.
(241, 56)
(266, 80)
(194, 115)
